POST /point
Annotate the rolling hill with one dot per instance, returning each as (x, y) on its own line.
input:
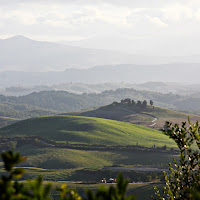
(87, 130)
(78, 145)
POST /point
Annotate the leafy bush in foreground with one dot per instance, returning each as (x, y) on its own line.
(183, 182)
(11, 189)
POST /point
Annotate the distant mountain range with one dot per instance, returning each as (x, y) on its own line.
(25, 62)
(185, 73)
(80, 88)
(21, 53)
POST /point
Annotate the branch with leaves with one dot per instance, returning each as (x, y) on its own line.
(183, 182)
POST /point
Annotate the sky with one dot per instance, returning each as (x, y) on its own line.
(72, 20)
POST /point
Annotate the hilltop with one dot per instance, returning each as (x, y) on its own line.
(149, 116)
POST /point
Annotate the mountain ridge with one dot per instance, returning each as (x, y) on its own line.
(22, 53)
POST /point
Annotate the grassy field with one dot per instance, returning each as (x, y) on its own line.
(55, 158)
(88, 175)
(87, 130)
(62, 158)
(80, 165)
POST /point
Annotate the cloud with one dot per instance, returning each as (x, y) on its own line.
(124, 3)
(158, 22)
(147, 18)
(87, 18)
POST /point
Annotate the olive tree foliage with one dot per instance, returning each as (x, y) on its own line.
(183, 181)
(12, 189)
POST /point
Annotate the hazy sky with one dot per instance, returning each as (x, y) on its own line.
(80, 19)
(74, 19)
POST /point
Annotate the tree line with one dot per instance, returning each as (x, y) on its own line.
(135, 104)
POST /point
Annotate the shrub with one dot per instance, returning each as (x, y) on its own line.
(183, 182)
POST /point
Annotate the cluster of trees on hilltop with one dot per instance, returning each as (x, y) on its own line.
(139, 105)
(134, 103)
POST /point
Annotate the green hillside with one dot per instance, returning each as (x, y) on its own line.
(87, 130)
(126, 113)
(107, 142)
(5, 121)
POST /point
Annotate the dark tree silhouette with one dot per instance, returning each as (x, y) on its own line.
(144, 104)
(151, 102)
(133, 103)
(139, 104)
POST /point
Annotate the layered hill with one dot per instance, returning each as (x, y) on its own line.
(129, 73)
(80, 88)
(51, 102)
